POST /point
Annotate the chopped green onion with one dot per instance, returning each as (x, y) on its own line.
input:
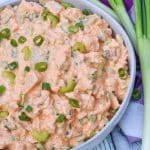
(79, 46)
(60, 118)
(74, 103)
(136, 95)
(66, 5)
(142, 19)
(27, 53)
(119, 8)
(13, 42)
(73, 29)
(46, 86)
(2, 89)
(41, 66)
(45, 14)
(10, 76)
(3, 114)
(53, 19)
(69, 87)
(86, 12)
(5, 33)
(40, 136)
(38, 40)
(80, 25)
(22, 39)
(27, 69)
(122, 73)
(29, 108)
(13, 65)
(23, 117)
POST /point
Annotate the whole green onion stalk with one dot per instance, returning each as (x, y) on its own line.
(142, 16)
(120, 10)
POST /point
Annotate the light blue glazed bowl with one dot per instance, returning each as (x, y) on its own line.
(85, 4)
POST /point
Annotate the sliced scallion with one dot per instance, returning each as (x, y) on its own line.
(74, 103)
(69, 87)
(2, 89)
(60, 118)
(41, 66)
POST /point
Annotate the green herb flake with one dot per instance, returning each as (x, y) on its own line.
(2, 89)
(29, 108)
(74, 103)
(86, 12)
(13, 42)
(46, 86)
(27, 69)
(60, 118)
(13, 65)
(23, 117)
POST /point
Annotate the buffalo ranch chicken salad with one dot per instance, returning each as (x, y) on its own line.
(63, 75)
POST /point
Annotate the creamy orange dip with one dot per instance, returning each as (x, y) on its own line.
(63, 75)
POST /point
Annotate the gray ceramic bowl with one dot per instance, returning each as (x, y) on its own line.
(85, 4)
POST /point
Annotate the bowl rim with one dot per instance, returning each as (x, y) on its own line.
(87, 4)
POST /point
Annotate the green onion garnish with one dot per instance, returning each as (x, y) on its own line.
(80, 25)
(53, 19)
(74, 103)
(13, 42)
(122, 73)
(136, 95)
(4, 114)
(5, 33)
(46, 86)
(69, 87)
(13, 65)
(66, 5)
(79, 46)
(27, 53)
(40, 136)
(86, 12)
(41, 66)
(23, 117)
(22, 39)
(73, 29)
(2, 89)
(27, 69)
(10, 76)
(45, 14)
(29, 108)
(38, 40)
(60, 118)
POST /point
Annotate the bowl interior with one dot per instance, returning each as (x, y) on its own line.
(117, 29)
